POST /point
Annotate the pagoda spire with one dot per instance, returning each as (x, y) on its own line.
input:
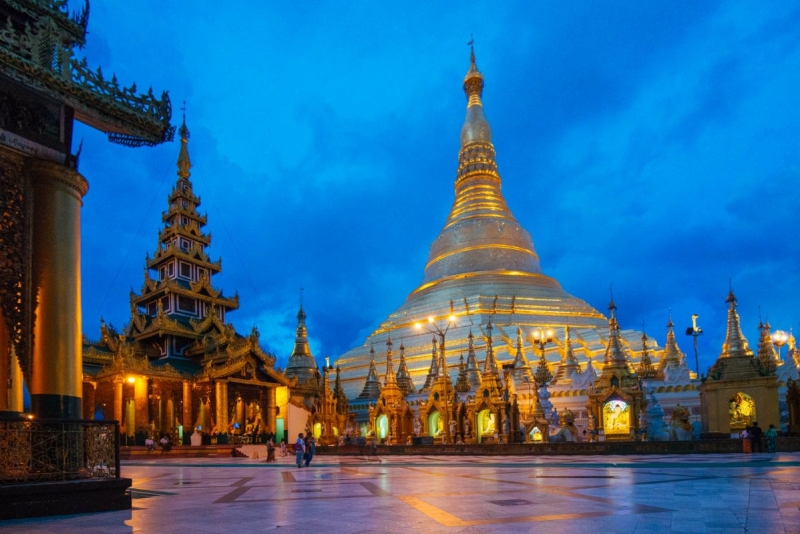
(479, 205)
(403, 377)
(646, 368)
(372, 386)
(569, 363)
(735, 344)
(767, 357)
(473, 373)
(301, 363)
(490, 364)
(342, 404)
(615, 353)
(522, 368)
(390, 380)
(184, 163)
(433, 372)
(490, 379)
(672, 356)
(462, 382)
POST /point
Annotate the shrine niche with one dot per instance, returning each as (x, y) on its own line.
(742, 411)
(616, 418)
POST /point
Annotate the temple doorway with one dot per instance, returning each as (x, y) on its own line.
(382, 422)
(486, 425)
(317, 430)
(616, 417)
(435, 425)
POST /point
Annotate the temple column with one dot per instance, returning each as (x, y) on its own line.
(221, 390)
(118, 383)
(5, 367)
(272, 410)
(89, 390)
(187, 406)
(57, 363)
(15, 391)
(142, 405)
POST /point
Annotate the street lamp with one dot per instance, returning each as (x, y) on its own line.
(695, 331)
(434, 328)
(779, 339)
(541, 338)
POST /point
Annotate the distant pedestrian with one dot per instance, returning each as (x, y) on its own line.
(299, 450)
(772, 438)
(311, 449)
(270, 451)
(755, 437)
(747, 445)
(283, 448)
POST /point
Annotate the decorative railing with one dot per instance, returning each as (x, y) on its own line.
(44, 450)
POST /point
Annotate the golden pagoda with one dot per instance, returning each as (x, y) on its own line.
(178, 367)
(741, 388)
(482, 266)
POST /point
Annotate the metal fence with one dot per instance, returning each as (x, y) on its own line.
(39, 450)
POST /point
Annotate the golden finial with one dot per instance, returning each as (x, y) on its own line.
(184, 163)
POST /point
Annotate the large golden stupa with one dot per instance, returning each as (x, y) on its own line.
(482, 267)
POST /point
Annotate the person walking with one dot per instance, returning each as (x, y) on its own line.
(270, 451)
(755, 437)
(772, 438)
(311, 449)
(299, 450)
(283, 448)
(747, 445)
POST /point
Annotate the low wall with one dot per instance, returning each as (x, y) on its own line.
(204, 451)
(715, 446)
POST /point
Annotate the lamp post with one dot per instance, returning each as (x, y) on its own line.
(779, 339)
(695, 331)
(435, 329)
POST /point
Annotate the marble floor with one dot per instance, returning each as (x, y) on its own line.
(605, 494)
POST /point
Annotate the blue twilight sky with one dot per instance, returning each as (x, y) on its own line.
(652, 145)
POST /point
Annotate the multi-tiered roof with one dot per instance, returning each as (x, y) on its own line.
(178, 302)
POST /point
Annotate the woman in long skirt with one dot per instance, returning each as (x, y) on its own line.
(747, 445)
(772, 438)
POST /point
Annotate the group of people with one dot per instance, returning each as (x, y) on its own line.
(752, 435)
(164, 442)
(304, 449)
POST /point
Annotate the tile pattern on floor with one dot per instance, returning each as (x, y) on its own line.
(714, 494)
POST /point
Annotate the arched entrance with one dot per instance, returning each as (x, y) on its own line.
(616, 417)
(382, 422)
(317, 430)
(486, 424)
(742, 411)
(535, 435)
(435, 425)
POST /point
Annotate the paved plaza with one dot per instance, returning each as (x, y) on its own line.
(588, 494)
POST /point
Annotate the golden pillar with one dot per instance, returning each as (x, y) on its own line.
(118, 383)
(187, 406)
(57, 363)
(222, 405)
(89, 399)
(272, 410)
(15, 391)
(142, 403)
(5, 367)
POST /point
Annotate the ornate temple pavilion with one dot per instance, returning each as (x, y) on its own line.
(178, 364)
(482, 268)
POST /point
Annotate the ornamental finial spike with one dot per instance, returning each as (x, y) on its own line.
(184, 163)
